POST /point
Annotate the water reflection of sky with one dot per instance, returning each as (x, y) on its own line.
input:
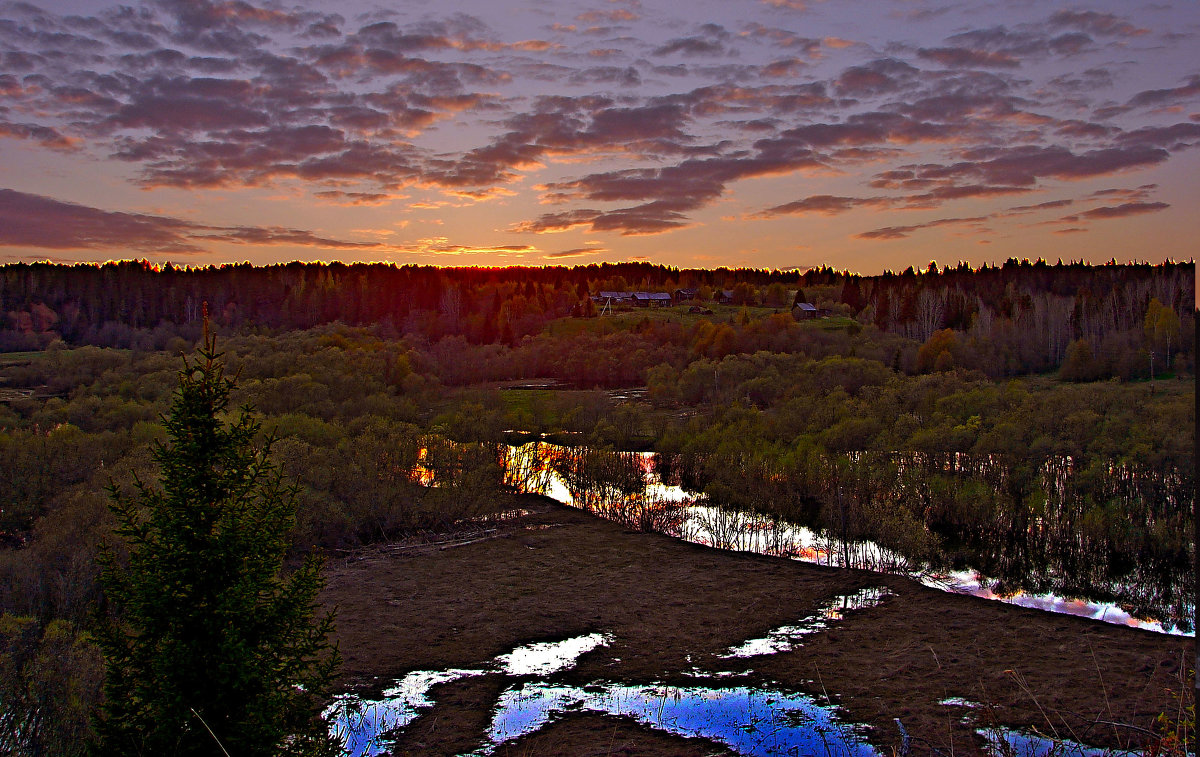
(970, 582)
(749, 533)
(751, 721)
(549, 657)
(1008, 743)
(786, 638)
(362, 722)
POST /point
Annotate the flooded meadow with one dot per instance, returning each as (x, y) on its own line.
(677, 619)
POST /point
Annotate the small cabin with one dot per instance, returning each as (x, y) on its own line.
(804, 311)
(616, 298)
(651, 299)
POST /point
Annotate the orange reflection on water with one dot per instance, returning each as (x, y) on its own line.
(419, 473)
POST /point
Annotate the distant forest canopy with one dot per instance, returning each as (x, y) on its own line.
(1021, 317)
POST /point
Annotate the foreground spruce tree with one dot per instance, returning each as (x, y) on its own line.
(212, 649)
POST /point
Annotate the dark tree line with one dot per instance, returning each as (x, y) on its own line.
(1017, 318)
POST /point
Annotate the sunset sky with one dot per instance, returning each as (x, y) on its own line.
(862, 134)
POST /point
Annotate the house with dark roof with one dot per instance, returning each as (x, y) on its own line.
(804, 311)
(616, 298)
(649, 299)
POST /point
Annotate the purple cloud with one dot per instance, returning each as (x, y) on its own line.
(961, 57)
(1023, 166)
(1100, 24)
(28, 220)
(828, 205)
(576, 252)
(902, 232)
(1125, 209)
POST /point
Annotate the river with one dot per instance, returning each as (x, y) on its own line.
(626, 486)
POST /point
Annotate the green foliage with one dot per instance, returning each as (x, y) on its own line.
(212, 647)
(956, 460)
(1177, 730)
(49, 680)
(1080, 363)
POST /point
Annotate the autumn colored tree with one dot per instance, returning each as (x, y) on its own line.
(1162, 328)
(937, 353)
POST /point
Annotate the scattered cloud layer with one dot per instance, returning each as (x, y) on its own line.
(609, 119)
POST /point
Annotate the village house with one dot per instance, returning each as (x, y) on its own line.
(648, 299)
(804, 311)
(613, 298)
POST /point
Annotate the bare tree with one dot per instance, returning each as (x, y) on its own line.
(931, 309)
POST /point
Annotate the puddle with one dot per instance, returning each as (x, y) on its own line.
(750, 721)
(362, 723)
(959, 702)
(1003, 742)
(785, 638)
(970, 582)
(547, 658)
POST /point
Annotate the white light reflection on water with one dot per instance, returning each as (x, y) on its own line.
(785, 638)
(750, 721)
(549, 657)
(1007, 742)
(364, 722)
(959, 702)
(970, 582)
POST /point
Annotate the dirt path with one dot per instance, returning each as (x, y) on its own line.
(672, 607)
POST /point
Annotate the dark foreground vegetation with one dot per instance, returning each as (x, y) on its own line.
(1034, 421)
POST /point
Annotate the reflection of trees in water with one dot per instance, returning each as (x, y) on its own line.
(1100, 530)
(1103, 531)
(597, 478)
(527, 468)
(614, 485)
(1108, 532)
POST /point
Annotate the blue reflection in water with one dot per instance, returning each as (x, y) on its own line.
(1008, 743)
(751, 721)
(363, 723)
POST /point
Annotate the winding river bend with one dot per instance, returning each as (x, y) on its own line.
(626, 486)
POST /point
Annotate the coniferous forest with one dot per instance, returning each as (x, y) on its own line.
(1014, 319)
(1033, 421)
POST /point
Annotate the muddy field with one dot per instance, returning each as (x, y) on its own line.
(674, 608)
